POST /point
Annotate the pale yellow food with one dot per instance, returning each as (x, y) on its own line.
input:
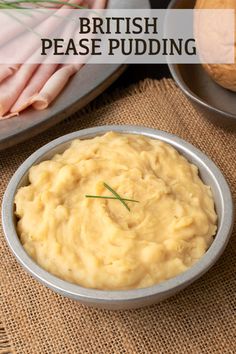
(98, 243)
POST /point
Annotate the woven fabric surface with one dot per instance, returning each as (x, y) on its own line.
(200, 319)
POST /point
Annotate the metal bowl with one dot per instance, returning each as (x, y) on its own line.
(213, 101)
(209, 173)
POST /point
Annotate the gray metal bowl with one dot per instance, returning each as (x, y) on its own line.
(215, 102)
(210, 174)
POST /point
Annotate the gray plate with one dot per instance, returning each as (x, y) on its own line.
(210, 174)
(216, 103)
(90, 82)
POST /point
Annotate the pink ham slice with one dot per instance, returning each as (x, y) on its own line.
(12, 87)
(49, 25)
(54, 86)
(18, 22)
(38, 88)
(7, 70)
(40, 77)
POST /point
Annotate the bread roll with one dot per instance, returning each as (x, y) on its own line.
(223, 74)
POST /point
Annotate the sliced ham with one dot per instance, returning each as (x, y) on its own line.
(46, 27)
(54, 86)
(10, 115)
(18, 23)
(12, 87)
(7, 70)
(42, 75)
(37, 84)
(38, 80)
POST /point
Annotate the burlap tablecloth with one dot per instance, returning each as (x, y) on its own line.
(200, 319)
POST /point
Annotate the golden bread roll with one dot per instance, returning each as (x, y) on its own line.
(223, 74)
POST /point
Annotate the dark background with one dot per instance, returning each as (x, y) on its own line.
(135, 73)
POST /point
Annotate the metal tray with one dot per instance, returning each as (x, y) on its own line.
(89, 83)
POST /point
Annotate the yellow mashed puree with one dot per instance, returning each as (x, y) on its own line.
(98, 243)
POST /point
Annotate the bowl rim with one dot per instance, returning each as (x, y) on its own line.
(183, 86)
(103, 296)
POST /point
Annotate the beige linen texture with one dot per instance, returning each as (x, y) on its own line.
(200, 319)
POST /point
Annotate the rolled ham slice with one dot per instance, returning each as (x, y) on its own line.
(48, 26)
(54, 86)
(38, 80)
(7, 70)
(42, 75)
(34, 84)
(12, 87)
(12, 29)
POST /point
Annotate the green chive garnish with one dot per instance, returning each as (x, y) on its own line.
(116, 197)
(13, 4)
